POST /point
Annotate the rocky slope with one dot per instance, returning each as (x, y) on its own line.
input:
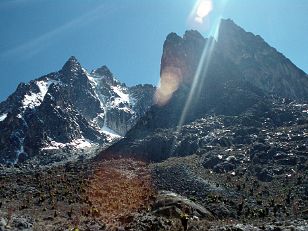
(201, 76)
(218, 188)
(238, 147)
(67, 113)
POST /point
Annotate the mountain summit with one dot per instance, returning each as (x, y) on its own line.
(67, 114)
(255, 62)
(260, 64)
(237, 75)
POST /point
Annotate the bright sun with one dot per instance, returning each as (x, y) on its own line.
(203, 9)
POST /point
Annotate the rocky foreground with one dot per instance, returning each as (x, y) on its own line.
(132, 195)
(240, 178)
(221, 172)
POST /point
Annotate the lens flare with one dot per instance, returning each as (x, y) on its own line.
(171, 78)
(203, 9)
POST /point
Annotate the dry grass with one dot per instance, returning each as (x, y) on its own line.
(119, 188)
(107, 193)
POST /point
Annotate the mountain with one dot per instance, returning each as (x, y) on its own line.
(68, 113)
(228, 131)
(261, 64)
(238, 74)
(224, 147)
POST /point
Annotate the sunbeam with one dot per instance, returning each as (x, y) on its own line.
(198, 79)
(203, 64)
(200, 72)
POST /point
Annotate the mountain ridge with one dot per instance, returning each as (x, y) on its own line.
(68, 109)
(217, 150)
(247, 50)
(225, 85)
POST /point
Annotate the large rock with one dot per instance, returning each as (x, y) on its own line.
(173, 205)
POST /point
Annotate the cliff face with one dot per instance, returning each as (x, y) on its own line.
(257, 63)
(226, 76)
(237, 75)
(261, 64)
(182, 54)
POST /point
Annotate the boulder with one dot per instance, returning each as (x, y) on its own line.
(264, 175)
(171, 204)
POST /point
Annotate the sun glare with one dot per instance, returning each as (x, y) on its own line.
(203, 9)
(171, 77)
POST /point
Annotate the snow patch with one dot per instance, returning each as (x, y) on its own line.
(123, 96)
(100, 122)
(20, 150)
(81, 143)
(33, 100)
(95, 83)
(92, 80)
(120, 100)
(3, 117)
(300, 105)
(111, 135)
(20, 137)
(109, 131)
(123, 101)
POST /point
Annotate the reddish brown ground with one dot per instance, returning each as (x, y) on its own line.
(104, 193)
(119, 188)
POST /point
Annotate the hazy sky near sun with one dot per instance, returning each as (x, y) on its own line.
(38, 36)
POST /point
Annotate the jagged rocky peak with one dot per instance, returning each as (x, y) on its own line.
(72, 72)
(229, 30)
(104, 73)
(238, 76)
(71, 65)
(188, 35)
(228, 24)
(68, 113)
(258, 63)
(261, 65)
(193, 35)
(234, 41)
(173, 38)
(181, 54)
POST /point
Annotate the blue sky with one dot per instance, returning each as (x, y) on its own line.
(38, 36)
